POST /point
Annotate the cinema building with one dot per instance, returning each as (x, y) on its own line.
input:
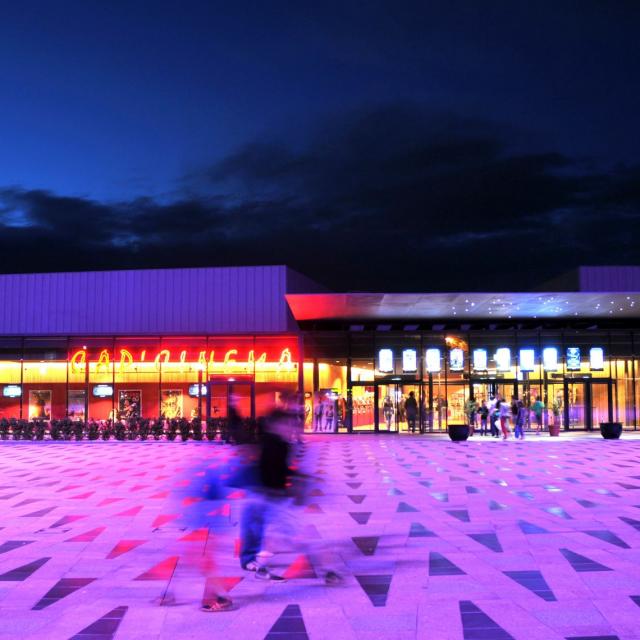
(188, 342)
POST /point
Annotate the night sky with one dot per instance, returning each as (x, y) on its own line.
(371, 145)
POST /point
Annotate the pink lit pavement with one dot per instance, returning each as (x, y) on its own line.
(532, 540)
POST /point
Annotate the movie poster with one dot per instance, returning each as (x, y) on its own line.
(171, 403)
(76, 404)
(39, 405)
(129, 403)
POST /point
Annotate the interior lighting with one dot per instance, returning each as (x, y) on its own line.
(385, 360)
(550, 358)
(433, 360)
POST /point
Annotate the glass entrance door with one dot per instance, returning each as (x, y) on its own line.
(400, 408)
(577, 404)
(224, 397)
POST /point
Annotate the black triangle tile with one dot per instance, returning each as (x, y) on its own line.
(611, 538)
(62, 589)
(489, 540)
(628, 486)
(37, 514)
(395, 492)
(354, 485)
(497, 506)
(529, 528)
(441, 566)
(366, 544)
(440, 496)
(357, 499)
(636, 599)
(104, 628)
(460, 514)
(420, 531)
(426, 483)
(403, 507)
(289, 626)
(534, 581)
(376, 587)
(361, 517)
(476, 624)
(587, 504)
(471, 490)
(582, 563)
(20, 574)
(10, 545)
(630, 521)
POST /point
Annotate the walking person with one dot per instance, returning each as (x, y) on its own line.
(538, 408)
(505, 415)
(521, 420)
(484, 416)
(271, 503)
(411, 410)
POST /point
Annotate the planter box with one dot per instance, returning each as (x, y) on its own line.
(611, 430)
(458, 432)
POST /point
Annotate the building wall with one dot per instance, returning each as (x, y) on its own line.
(151, 301)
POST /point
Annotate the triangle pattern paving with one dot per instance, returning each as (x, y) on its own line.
(534, 581)
(361, 517)
(300, 568)
(366, 544)
(66, 520)
(478, 625)
(489, 540)
(403, 507)
(420, 531)
(630, 521)
(19, 574)
(10, 545)
(61, 589)
(609, 537)
(162, 571)
(376, 587)
(289, 626)
(104, 628)
(460, 514)
(582, 563)
(124, 546)
(357, 499)
(529, 528)
(441, 566)
(38, 514)
(89, 536)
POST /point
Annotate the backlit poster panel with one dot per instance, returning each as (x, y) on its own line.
(527, 359)
(550, 359)
(456, 359)
(480, 359)
(76, 404)
(409, 361)
(171, 403)
(503, 359)
(129, 403)
(385, 360)
(39, 405)
(573, 358)
(596, 359)
(433, 360)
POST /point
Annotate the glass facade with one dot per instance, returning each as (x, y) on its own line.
(583, 378)
(101, 378)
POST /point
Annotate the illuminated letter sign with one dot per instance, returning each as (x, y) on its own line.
(596, 359)
(456, 359)
(573, 358)
(12, 391)
(409, 361)
(433, 360)
(550, 358)
(385, 361)
(193, 390)
(527, 359)
(480, 359)
(503, 359)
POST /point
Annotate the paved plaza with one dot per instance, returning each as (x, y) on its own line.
(532, 540)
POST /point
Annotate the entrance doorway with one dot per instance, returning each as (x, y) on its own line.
(578, 404)
(392, 415)
(225, 395)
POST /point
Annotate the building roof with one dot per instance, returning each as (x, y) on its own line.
(417, 306)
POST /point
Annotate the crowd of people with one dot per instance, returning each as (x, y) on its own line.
(498, 416)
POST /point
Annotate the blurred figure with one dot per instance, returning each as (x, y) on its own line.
(411, 411)
(271, 503)
(521, 420)
(505, 415)
(387, 411)
(484, 416)
(538, 408)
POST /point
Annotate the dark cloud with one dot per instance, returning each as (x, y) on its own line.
(396, 198)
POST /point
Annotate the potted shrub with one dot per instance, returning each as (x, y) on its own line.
(40, 429)
(120, 430)
(4, 429)
(107, 430)
(212, 429)
(471, 410)
(556, 409)
(611, 430)
(157, 429)
(196, 428)
(93, 430)
(172, 431)
(143, 429)
(78, 429)
(185, 429)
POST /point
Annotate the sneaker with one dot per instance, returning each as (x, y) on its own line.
(332, 578)
(264, 574)
(251, 566)
(217, 605)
